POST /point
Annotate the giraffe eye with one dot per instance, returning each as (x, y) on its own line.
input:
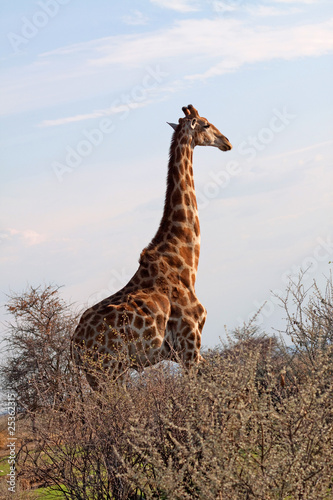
(206, 126)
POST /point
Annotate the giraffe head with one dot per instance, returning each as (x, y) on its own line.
(201, 131)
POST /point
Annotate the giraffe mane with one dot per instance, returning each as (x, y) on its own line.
(170, 187)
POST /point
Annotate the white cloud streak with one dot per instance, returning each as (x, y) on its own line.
(135, 18)
(178, 5)
(112, 110)
(191, 49)
(28, 236)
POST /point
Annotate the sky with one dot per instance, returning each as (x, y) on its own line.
(86, 90)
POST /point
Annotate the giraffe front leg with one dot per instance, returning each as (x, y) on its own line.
(188, 347)
(193, 336)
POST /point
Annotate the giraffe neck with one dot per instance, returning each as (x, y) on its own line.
(179, 230)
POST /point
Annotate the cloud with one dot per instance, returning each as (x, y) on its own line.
(178, 5)
(306, 2)
(270, 11)
(112, 110)
(28, 236)
(135, 18)
(230, 42)
(248, 45)
(159, 93)
(191, 49)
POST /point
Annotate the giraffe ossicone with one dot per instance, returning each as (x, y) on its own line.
(157, 315)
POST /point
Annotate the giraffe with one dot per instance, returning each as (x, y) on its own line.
(157, 315)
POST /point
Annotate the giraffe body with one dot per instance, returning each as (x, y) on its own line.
(157, 314)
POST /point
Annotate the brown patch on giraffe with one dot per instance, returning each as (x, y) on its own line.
(179, 215)
(191, 334)
(112, 333)
(182, 185)
(110, 315)
(174, 261)
(138, 322)
(136, 280)
(177, 231)
(172, 279)
(161, 302)
(193, 199)
(162, 267)
(190, 345)
(182, 299)
(153, 305)
(148, 255)
(149, 321)
(193, 278)
(172, 323)
(186, 254)
(144, 264)
(147, 283)
(90, 332)
(156, 343)
(144, 273)
(111, 345)
(176, 198)
(185, 277)
(186, 327)
(187, 235)
(176, 311)
(138, 300)
(146, 311)
(152, 255)
(89, 343)
(187, 199)
(149, 333)
(160, 322)
(173, 240)
(162, 285)
(165, 248)
(178, 154)
(153, 269)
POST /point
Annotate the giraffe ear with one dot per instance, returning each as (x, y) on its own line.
(173, 125)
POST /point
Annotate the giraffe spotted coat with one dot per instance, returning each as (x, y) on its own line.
(157, 315)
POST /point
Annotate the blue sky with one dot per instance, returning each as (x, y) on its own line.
(86, 90)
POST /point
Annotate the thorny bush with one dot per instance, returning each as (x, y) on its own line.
(255, 422)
